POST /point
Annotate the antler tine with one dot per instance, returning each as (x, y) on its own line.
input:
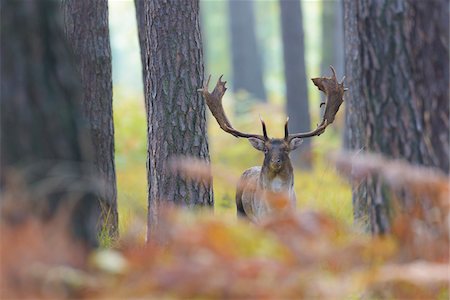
(214, 102)
(334, 73)
(205, 86)
(266, 138)
(207, 82)
(286, 129)
(334, 92)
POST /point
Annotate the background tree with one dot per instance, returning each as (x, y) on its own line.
(86, 26)
(45, 144)
(246, 59)
(332, 50)
(171, 46)
(297, 107)
(397, 63)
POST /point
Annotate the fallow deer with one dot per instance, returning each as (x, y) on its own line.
(259, 187)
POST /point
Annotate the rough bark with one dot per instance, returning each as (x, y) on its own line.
(397, 63)
(246, 59)
(45, 155)
(143, 46)
(297, 107)
(171, 46)
(86, 26)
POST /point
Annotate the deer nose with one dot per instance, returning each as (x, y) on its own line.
(276, 160)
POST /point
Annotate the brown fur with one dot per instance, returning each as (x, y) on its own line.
(275, 176)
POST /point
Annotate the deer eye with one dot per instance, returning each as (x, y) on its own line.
(266, 150)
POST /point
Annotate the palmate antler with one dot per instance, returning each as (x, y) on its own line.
(334, 92)
(214, 102)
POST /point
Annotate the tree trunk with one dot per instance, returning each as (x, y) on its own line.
(247, 67)
(45, 145)
(397, 70)
(295, 76)
(88, 33)
(172, 49)
(332, 37)
(139, 6)
(332, 48)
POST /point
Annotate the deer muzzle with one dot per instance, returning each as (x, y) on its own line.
(275, 164)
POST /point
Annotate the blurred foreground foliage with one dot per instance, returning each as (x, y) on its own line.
(302, 254)
(291, 255)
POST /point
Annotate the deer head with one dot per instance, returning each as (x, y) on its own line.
(276, 151)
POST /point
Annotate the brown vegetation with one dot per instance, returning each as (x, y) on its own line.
(291, 255)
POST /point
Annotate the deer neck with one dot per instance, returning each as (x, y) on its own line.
(281, 181)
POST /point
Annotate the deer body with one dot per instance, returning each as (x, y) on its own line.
(252, 200)
(258, 187)
(263, 190)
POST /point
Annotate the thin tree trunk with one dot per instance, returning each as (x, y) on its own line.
(338, 37)
(172, 49)
(297, 106)
(45, 143)
(88, 33)
(397, 63)
(246, 59)
(332, 37)
(139, 6)
(332, 48)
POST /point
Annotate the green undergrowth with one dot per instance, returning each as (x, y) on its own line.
(319, 188)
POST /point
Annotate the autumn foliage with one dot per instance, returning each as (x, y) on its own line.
(303, 254)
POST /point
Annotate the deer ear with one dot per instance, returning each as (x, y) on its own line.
(257, 143)
(295, 143)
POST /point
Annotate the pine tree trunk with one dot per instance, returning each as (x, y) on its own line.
(172, 49)
(246, 59)
(86, 25)
(45, 142)
(297, 106)
(139, 6)
(397, 62)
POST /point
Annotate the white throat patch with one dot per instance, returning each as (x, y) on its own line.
(277, 185)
